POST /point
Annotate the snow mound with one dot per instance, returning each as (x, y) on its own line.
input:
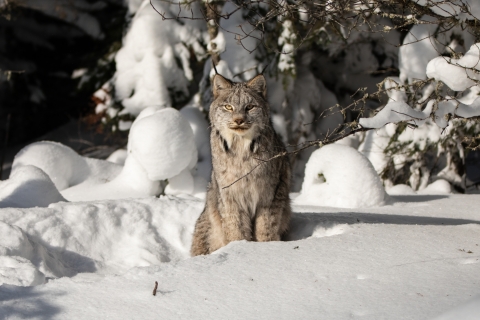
(163, 143)
(439, 186)
(340, 176)
(63, 165)
(401, 190)
(106, 237)
(28, 186)
(161, 146)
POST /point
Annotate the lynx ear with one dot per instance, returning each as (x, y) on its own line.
(220, 83)
(258, 84)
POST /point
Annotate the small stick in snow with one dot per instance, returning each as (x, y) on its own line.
(155, 288)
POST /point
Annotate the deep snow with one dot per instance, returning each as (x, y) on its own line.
(414, 258)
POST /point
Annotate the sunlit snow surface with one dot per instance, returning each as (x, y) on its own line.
(414, 258)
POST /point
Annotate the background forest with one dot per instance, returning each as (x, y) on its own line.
(98, 64)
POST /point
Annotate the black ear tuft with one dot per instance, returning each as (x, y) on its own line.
(220, 83)
(258, 84)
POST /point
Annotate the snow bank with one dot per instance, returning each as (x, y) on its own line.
(108, 236)
(28, 186)
(391, 262)
(340, 176)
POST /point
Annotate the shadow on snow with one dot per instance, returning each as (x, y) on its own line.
(303, 225)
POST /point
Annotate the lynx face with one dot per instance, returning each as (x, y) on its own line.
(239, 108)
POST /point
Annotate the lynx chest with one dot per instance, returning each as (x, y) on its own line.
(242, 175)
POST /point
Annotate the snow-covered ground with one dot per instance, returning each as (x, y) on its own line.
(416, 257)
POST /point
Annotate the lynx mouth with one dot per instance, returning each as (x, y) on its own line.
(239, 129)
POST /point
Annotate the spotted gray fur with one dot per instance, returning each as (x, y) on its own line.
(256, 207)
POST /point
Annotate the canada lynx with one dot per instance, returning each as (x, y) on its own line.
(256, 207)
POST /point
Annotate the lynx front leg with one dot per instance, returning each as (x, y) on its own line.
(236, 223)
(271, 222)
(267, 224)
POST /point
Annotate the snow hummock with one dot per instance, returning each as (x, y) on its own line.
(28, 186)
(163, 143)
(437, 187)
(161, 146)
(103, 237)
(340, 176)
(62, 164)
(70, 172)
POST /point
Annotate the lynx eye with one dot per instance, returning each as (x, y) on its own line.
(228, 107)
(249, 107)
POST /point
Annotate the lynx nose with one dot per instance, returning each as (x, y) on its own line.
(238, 121)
